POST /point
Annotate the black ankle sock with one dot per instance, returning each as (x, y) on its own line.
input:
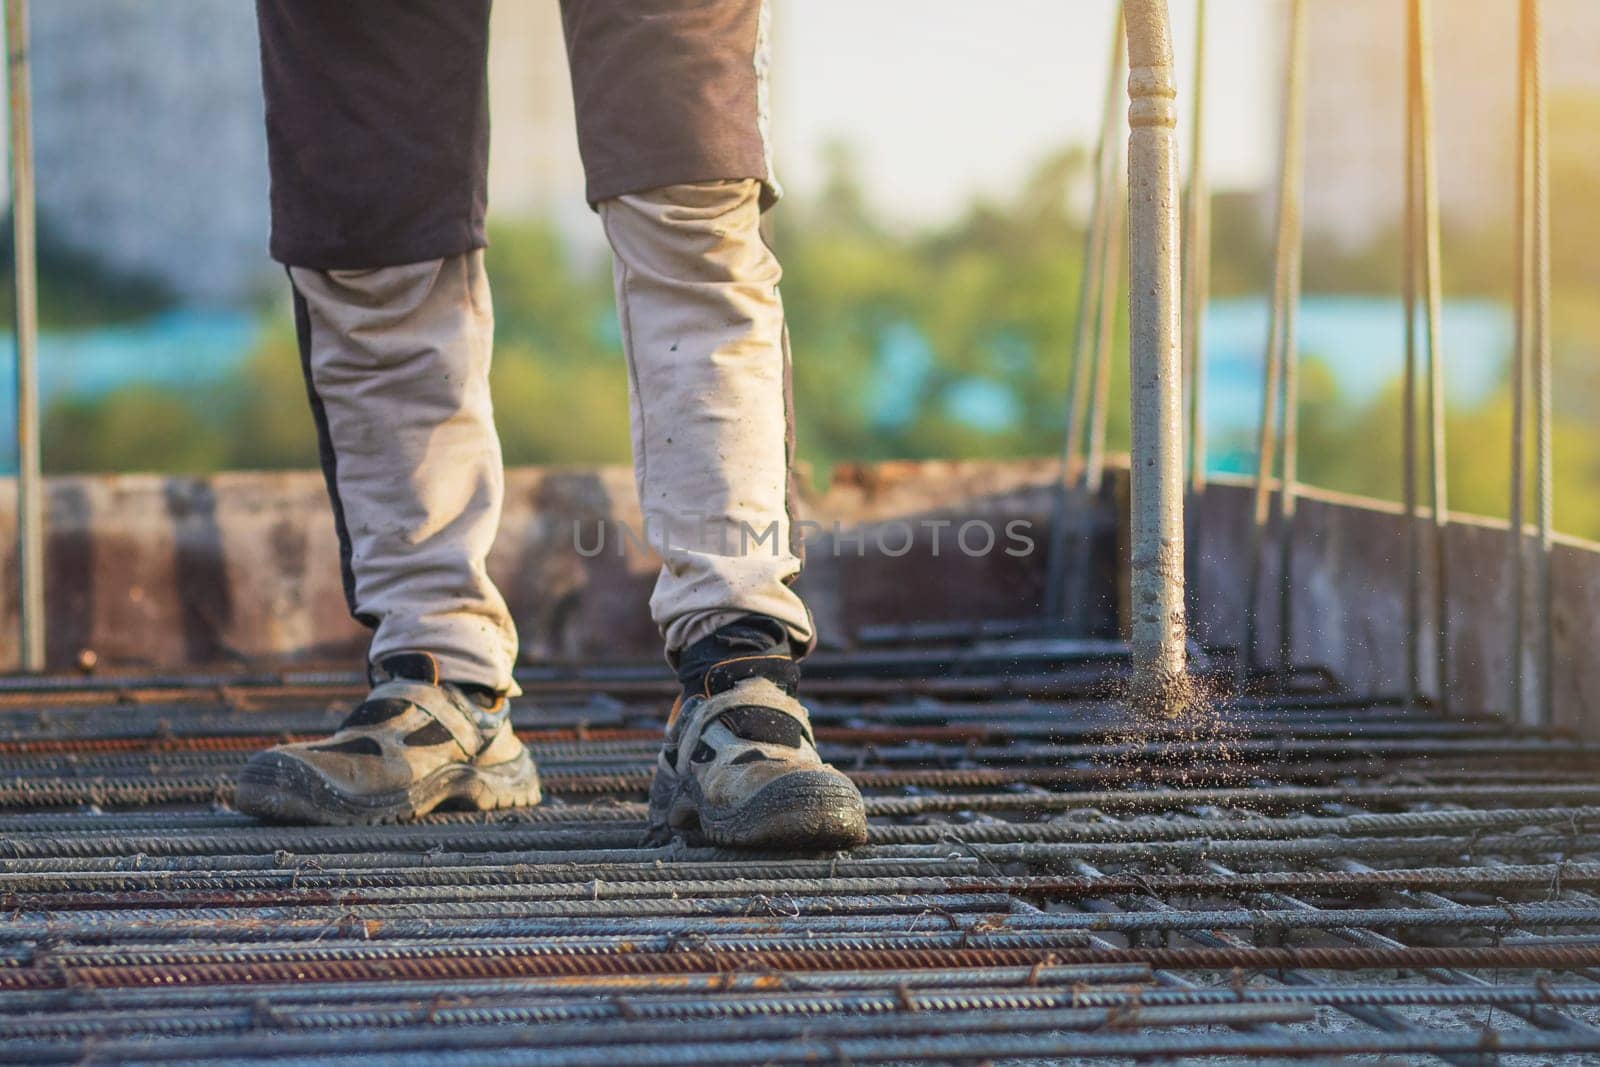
(421, 667)
(481, 695)
(752, 635)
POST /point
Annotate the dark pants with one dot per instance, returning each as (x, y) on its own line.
(378, 126)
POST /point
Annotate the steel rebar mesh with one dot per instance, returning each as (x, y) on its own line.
(1309, 871)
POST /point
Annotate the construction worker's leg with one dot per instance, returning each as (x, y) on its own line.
(397, 368)
(378, 136)
(702, 323)
(671, 103)
(672, 122)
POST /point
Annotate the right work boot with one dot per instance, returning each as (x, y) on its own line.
(740, 764)
(415, 743)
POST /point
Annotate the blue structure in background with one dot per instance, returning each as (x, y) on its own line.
(181, 349)
(1358, 338)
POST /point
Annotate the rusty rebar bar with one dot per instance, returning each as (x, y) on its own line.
(1458, 852)
(502, 1028)
(294, 965)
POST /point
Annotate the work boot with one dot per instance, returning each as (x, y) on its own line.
(740, 764)
(413, 744)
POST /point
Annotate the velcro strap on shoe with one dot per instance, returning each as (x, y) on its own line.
(766, 725)
(753, 695)
(417, 666)
(437, 705)
(780, 670)
(375, 712)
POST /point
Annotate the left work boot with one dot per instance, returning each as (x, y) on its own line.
(413, 744)
(740, 767)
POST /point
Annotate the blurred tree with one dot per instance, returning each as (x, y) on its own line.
(135, 429)
(1574, 142)
(1241, 244)
(267, 415)
(1356, 449)
(560, 383)
(542, 298)
(552, 410)
(954, 341)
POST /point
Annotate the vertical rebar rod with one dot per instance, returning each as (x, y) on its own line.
(1544, 468)
(1109, 281)
(1428, 187)
(1289, 405)
(30, 490)
(1089, 282)
(1111, 286)
(1196, 293)
(1289, 466)
(1272, 394)
(1408, 396)
(1159, 630)
(1197, 263)
(1519, 375)
(1530, 200)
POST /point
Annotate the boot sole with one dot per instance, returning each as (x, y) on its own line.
(280, 788)
(809, 811)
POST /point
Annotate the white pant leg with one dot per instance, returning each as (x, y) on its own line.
(702, 323)
(397, 362)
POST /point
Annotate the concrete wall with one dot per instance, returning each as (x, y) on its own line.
(153, 571)
(1348, 605)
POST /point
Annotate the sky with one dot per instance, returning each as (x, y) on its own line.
(945, 99)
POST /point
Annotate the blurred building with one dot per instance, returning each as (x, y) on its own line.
(151, 153)
(1355, 105)
(534, 169)
(149, 141)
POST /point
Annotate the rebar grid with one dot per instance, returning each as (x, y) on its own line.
(1292, 871)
